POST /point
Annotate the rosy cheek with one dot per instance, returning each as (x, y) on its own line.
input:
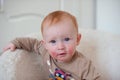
(71, 50)
(53, 54)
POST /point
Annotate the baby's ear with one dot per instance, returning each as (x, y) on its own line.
(78, 38)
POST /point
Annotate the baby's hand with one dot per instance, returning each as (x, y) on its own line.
(10, 46)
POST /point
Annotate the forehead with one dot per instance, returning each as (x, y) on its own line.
(60, 28)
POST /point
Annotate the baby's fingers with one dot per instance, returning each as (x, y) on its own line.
(10, 46)
(13, 48)
(5, 48)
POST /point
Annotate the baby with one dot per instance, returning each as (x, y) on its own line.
(58, 49)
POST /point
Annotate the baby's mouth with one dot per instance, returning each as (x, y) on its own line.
(62, 54)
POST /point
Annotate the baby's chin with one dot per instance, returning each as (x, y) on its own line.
(64, 60)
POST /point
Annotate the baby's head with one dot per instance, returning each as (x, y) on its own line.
(60, 35)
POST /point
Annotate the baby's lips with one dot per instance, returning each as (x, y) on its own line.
(62, 53)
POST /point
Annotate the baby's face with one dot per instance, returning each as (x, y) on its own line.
(61, 40)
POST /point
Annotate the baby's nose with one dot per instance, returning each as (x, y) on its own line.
(61, 46)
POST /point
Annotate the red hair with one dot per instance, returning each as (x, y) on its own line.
(56, 17)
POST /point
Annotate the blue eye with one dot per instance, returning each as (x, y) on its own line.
(52, 41)
(67, 39)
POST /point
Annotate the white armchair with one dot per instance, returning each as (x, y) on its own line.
(102, 48)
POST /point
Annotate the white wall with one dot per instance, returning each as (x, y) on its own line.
(108, 15)
(83, 10)
(22, 17)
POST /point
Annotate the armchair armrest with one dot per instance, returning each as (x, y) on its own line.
(20, 65)
(7, 64)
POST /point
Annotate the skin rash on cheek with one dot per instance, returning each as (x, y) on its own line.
(71, 51)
